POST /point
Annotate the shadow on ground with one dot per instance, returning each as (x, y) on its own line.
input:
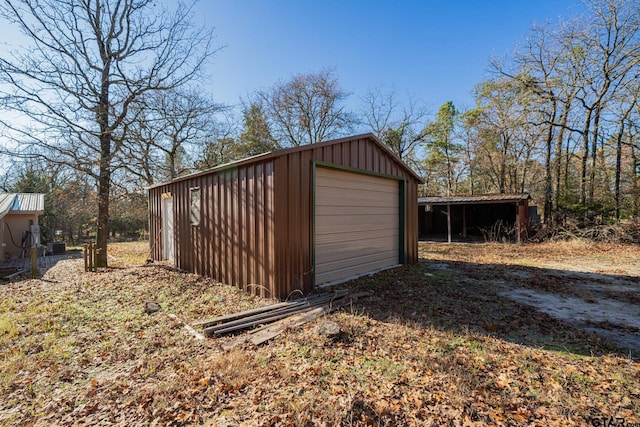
(44, 263)
(582, 313)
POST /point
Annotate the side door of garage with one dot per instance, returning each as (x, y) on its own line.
(168, 233)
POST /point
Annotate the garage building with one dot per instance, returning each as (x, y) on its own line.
(290, 220)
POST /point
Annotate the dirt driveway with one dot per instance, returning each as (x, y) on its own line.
(574, 297)
(599, 306)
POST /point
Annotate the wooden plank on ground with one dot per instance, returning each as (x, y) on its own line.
(272, 330)
(268, 333)
(291, 322)
(197, 335)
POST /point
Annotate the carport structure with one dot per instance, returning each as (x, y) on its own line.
(469, 216)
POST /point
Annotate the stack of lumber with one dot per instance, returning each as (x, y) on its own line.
(276, 318)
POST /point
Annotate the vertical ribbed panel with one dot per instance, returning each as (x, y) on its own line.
(233, 242)
(294, 192)
(256, 226)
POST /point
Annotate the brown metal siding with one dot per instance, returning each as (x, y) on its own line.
(256, 218)
(234, 241)
(294, 192)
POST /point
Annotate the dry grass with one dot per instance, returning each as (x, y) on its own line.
(577, 254)
(539, 252)
(428, 348)
(127, 254)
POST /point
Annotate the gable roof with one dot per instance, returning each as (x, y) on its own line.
(283, 151)
(21, 202)
(484, 198)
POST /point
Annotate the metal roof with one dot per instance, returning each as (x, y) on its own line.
(484, 198)
(275, 153)
(21, 202)
(29, 202)
(6, 202)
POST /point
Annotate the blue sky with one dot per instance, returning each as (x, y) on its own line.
(433, 50)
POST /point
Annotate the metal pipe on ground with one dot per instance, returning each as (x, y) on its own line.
(247, 319)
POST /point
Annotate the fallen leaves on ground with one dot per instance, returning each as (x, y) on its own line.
(78, 349)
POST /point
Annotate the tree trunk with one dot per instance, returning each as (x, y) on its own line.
(104, 177)
(172, 165)
(471, 164)
(548, 179)
(559, 143)
(635, 163)
(502, 179)
(568, 155)
(594, 155)
(619, 139)
(618, 165)
(585, 157)
(449, 170)
(104, 187)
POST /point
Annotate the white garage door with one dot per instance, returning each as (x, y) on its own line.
(356, 224)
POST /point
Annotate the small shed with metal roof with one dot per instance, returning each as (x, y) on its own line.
(288, 221)
(18, 221)
(488, 216)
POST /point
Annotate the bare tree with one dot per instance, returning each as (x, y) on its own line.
(611, 50)
(543, 68)
(167, 130)
(305, 110)
(626, 105)
(400, 125)
(221, 147)
(577, 76)
(83, 65)
(633, 130)
(505, 143)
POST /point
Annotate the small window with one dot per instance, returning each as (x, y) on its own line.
(195, 206)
